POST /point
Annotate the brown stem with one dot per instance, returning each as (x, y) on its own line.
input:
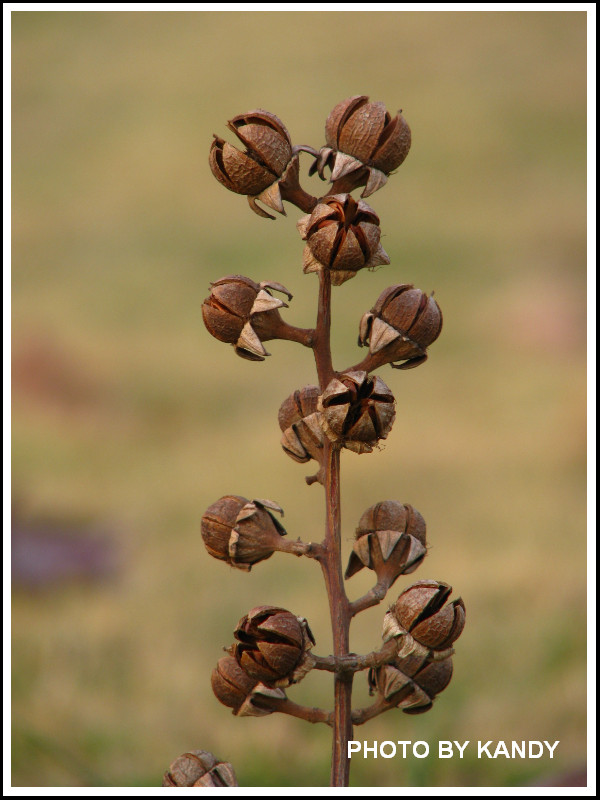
(296, 195)
(373, 361)
(290, 189)
(332, 561)
(340, 619)
(321, 340)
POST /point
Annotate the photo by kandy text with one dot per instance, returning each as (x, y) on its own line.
(452, 749)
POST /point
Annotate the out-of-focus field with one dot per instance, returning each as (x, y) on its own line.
(127, 415)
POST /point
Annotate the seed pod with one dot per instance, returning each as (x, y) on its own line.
(400, 327)
(199, 768)
(422, 611)
(363, 140)
(342, 235)
(273, 646)
(299, 421)
(237, 690)
(241, 532)
(390, 539)
(411, 684)
(257, 171)
(244, 313)
(357, 411)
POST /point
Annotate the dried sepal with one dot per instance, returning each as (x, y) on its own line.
(254, 705)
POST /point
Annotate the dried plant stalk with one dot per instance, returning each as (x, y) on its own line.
(350, 409)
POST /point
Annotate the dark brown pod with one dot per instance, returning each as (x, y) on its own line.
(241, 532)
(358, 410)
(272, 644)
(422, 610)
(266, 160)
(363, 142)
(237, 690)
(342, 236)
(199, 768)
(230, 684)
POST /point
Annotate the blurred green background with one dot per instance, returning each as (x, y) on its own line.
(128, 417)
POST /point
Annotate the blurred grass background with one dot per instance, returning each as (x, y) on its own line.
(126, 414)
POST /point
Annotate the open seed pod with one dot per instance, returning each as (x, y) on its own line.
(299, 420)
(411, 684)
(242, 532)
(422, 611)
(363, 141)
(273, 646)
(248, 697)
(244, 313)
(257, 172)
(390, 539)
(342, 236)
(358, 410)
(400, 327)
(199, 768)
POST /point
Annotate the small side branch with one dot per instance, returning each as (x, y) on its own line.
(314, 715)
(290, 189)
(280, 329)
(356, 663)
(300, 548)
(372, 598)
(362, 715)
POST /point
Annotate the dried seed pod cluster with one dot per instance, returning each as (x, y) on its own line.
(425, 626)
(342, 236)
(351, 409)
(401, 325)
(242, 532)
(199, 768)
(390, 539)
(358, 410)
